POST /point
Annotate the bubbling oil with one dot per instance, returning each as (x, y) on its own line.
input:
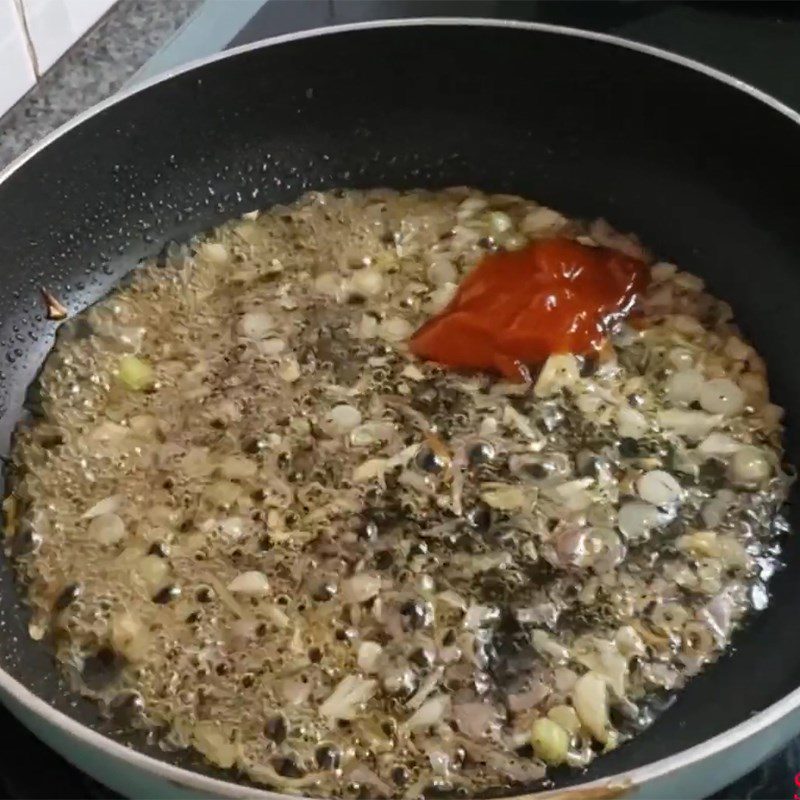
(249, 521)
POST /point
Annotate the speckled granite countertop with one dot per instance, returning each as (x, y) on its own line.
(95, 68)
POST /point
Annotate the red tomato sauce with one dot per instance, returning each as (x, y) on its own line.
(516, 308)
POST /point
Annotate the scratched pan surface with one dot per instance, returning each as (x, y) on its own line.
(704, 171)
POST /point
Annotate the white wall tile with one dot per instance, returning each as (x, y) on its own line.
(84, 13)
(16, 69)
(55, 25)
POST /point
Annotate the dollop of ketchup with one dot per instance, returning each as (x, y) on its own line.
(516, 308)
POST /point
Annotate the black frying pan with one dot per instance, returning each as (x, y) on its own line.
(705, 172)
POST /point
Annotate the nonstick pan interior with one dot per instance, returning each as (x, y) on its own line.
(705, 173)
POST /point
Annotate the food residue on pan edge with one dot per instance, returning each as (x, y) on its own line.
(251, 522)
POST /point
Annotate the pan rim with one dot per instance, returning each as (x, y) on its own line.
(189, 779)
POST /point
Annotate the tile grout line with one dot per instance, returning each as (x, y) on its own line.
(27, 35)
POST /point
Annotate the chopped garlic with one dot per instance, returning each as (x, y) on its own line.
(135, 373)
(251, 583)
(559, 371)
